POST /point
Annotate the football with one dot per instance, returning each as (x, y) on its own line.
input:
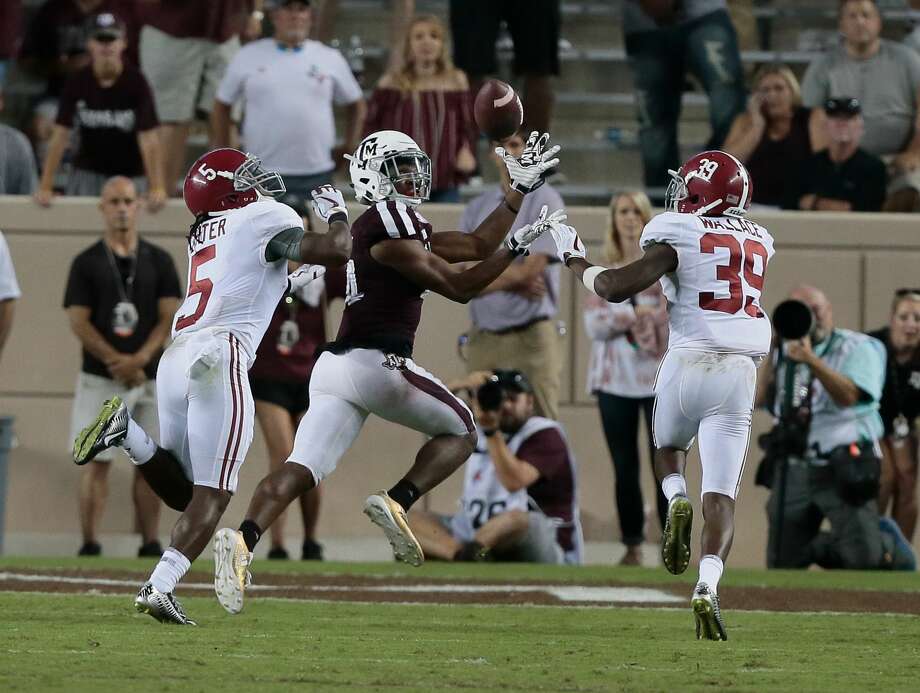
(498, 110)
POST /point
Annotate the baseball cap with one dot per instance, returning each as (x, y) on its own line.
(512, 380)
(105, 25)
(842, 107)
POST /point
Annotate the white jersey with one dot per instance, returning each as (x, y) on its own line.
(231, 285)
(714, 294)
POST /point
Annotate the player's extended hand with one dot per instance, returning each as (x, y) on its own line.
(302, 276)
(328, 200)
(568, 244)
(529, 171)
(518, 242)
(799, 350)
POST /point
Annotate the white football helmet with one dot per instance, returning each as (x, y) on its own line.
(389, 165)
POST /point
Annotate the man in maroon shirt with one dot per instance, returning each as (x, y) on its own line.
(280, 382)
(110, 104)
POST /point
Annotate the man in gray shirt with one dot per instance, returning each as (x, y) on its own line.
(885, 77)
(17, 163)
(514, 322)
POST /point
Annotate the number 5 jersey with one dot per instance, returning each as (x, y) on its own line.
(714, 294)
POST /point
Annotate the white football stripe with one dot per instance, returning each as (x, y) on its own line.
(388, 221)
(504, 100)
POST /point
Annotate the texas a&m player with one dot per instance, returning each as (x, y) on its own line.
(711, 262)
(238, 248)
(368, 369)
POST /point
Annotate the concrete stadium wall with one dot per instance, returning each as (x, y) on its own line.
(857, 259)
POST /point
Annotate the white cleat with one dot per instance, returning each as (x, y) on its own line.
(231, 569)
(391, 518)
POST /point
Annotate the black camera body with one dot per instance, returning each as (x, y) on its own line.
(490, 395)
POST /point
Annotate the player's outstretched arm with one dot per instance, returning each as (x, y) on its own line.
(527, 173)
(430, 271)
(614, 285)
(332, 248)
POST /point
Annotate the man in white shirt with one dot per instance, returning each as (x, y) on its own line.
(9, 292)
(289, 85)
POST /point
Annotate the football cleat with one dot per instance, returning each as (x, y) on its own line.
(163, 606)
(108, 428)
(675, 540)
(231, 569)
(391, 518)
(705, 605)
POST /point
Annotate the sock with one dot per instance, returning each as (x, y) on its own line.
(405, 493)
(673, 485)
(139, 446)
(710, 571)
(251, 534)
(172, 566)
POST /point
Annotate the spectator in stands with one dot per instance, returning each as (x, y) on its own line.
(428, 99)
(17, 163)
(665, 39)
(514, 318)
(534, 27)
(185, 46)
(628, 341)
(776, 134)
(885, 77)
(830, 383)
(9, 292)
(280, 383)
(110, 105)
(843, 177)
(289, 85)
(900, 407)
(121, 295)
(54, 47)
(519, 500)
(10, 33)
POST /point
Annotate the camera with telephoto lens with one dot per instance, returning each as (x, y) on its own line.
(490, 395)
(502, 381)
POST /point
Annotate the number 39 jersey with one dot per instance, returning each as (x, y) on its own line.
(714, 294)
(230, 283)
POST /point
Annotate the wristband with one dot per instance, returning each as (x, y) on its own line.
(338, 216)
(510, 208)
(590, 275)
(489, 432)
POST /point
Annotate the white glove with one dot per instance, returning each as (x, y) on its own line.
(528, 172)
(568, 244)
(327, 200)
(518, 242)
(302, 276)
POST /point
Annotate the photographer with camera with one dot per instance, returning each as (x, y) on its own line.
(519, 490)
(823, 384)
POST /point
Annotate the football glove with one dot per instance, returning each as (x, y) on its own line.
(302, 276)
(529, 171)
(327, 201)
(568, 244)
(518, 242)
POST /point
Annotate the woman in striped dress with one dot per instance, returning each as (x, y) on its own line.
(428, 98)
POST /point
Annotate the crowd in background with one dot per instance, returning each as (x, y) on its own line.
(119, 85)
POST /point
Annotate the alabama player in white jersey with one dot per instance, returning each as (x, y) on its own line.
(711, 262)
(238, 247)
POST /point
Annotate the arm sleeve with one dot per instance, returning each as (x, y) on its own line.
(273, 219)
(231, 85)
(79, 291)
(345, 87)
(545, 450)
(865, 366)
(815, 83)
(9, 287)
(285, 244)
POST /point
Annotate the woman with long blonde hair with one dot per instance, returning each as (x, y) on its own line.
(427, 98)
(628, 341)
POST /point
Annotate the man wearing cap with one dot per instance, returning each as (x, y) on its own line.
(843, 177)
(289, 85)
(885, 77)
(519, 499)
(110, 105)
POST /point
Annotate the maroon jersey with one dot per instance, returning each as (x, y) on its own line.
(382, 307)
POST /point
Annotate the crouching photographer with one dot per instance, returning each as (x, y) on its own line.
(519, 488)
(823, 385)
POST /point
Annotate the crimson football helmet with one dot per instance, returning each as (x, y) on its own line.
(710, 184)
(227, 179)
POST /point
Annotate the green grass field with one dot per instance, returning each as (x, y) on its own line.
(98, 643)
